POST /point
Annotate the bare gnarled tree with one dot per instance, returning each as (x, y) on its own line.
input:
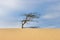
(29, 17)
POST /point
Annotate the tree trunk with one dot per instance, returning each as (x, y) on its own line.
(22, 26)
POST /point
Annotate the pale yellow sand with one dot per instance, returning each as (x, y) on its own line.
(29, 34)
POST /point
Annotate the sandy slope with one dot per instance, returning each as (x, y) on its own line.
(29, 34)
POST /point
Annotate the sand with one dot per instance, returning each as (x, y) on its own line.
(29, 34)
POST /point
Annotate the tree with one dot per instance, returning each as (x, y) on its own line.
(29, 17)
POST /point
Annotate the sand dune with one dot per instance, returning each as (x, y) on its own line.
(29, 34)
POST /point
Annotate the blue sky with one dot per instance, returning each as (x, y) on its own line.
(12, 10)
